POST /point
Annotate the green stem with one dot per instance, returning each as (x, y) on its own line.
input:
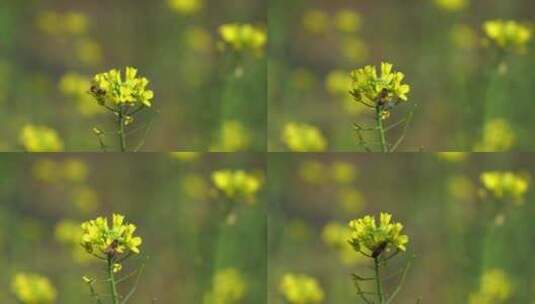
(381, 129)
(379, 283)
(113, 284)
(122, 135)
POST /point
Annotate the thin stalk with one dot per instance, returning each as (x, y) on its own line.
(381, 129)
(113, 284)
(379, 283)
(122, 135)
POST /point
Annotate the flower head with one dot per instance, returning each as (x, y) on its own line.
(505, 185)
(508, 35)
(228, 287)
(236, 184)
(373, 238)
(300, 137)
(112, 90)
(498, 135)
(243, 37)
(301, 289)
(32, 288)
(383, 90)
(40, 139)
(99, 237)
(495, 287)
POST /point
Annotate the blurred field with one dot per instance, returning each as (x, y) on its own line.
(171, 200)
(454, 231)
(50, 49)
(468, 96)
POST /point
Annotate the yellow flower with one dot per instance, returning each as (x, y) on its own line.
(498, 136)
(57, 24)
(40, 139)
(354, 49)
(347, 21)
(463, 37)
(452, 5)
(343, 172)
(32, 288)
(301, 289)
(373, 239)
(505, 185)
(385, 90)
(315, 21)
(312, 171)
(508, 34)
(300, 137)
(243, 37)
(186, 7)
(111, 90)
(236, 184)
(234, 137)
(228, 287)
(338, 82)
(495, 287)
(88, 51)
(101, 239)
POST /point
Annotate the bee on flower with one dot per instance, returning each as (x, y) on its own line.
(381, 92)
(123, 97)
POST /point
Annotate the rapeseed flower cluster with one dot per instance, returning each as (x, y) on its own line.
(186, 7)
(372, 239)
(234, 136)
(508, 34)
(495, 288)
(236, 184)
(30, 288)
(452, 5)
(110, 89)
(228, 287)
(243, 37)
(505, 185)
(498, 135)
(301, 289)
(301, 137)
(379, 91)
(99, 238)
(36, 138)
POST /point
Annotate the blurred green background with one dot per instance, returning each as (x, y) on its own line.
(170, 198)
(50, 49)
(466, 96)
(454, 232)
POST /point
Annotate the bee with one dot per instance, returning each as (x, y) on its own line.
(380, 249)
(97, 91)
(111, 250)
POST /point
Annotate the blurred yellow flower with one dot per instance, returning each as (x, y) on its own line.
(186, 7)
(74, 85)
(40, 139)
(343, 172)
(505, 185)
(228, 287)
(498, 136)
(85, 198)
(185, 156)
(347, 21)
(244, 37)
(335, 235)
(58, 24)
(32, 288)
(461, 188)
(301, 289)
(354, 49)
(453, 157)
(495, 288)
(88, 51)
(463, 37)
(46, 170)
(198, 39)
(338, 82)
(74, 170)
(68, 231)
(315, 21)
(508, 34)
(236, 184)
(312, 171)
(452, 5)
(194, 186)
(350, 199)
(300, 137)
(234, 137)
